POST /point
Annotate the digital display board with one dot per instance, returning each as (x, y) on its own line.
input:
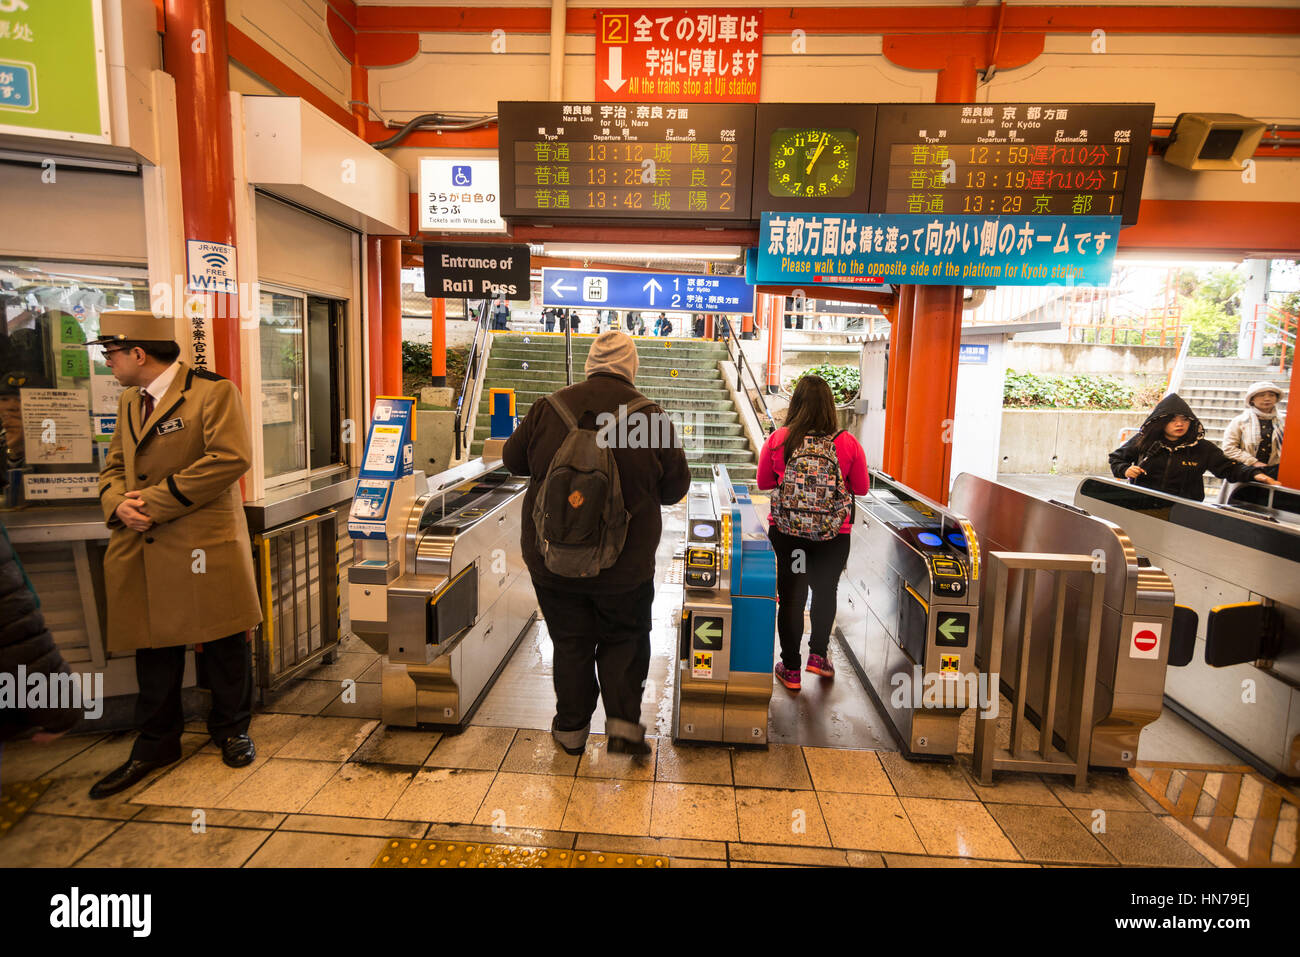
(615, 162)
(1066, 159)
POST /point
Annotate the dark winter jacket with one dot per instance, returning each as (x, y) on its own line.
(650, 477)
(24, 640)
(1176, 469)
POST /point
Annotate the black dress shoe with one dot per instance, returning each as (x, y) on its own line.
(125, 776)
(238, 751)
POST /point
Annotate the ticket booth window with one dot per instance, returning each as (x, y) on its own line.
(302, 383)
(58, 400)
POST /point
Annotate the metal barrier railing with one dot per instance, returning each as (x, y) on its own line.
(743, 369)
(475, 366)
(298, 587)
(1078, 737)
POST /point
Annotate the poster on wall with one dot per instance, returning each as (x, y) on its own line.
(56, 426)
(53, 75)
(460, 196)
(105, 391)
(277, 401)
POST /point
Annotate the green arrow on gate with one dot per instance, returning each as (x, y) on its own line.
(950, 629)
(708, 631)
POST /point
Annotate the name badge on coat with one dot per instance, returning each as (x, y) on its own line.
(171, 425)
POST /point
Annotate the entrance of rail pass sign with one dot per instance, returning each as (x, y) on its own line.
(653, 55)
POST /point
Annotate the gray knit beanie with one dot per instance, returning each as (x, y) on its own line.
(613, 352)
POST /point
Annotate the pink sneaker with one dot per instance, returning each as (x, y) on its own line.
(788, 678)
(820, 666)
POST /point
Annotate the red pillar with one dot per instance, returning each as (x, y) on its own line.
(900, 356)
(1288, 470)
(390, 301)
(931, 390)
(196, 55)
(439, 370)
(374, 321)
(775, 326)
(708, 325)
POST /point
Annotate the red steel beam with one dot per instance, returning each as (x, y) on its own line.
(1223, 20)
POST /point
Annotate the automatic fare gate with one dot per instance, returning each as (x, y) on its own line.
(728, 618)
(909, 611)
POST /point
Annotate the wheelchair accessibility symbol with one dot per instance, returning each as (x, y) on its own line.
(461, 176)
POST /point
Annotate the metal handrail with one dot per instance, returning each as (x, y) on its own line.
(471, 380)
(743, 367)
(1180, 367)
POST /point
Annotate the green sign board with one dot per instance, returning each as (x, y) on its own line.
(53, 79)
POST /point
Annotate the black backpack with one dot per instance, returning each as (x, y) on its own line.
(578, 515)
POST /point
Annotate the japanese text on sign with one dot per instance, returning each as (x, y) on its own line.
(937, 250)
(693, 54)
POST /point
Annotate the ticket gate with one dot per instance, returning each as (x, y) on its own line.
(1238, 568)
(1138, 624)
(728, 618)
(908, 612)
(447, 597)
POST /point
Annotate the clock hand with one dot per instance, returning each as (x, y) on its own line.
(812, 162)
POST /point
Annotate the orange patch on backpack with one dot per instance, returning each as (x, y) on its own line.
(576, 499)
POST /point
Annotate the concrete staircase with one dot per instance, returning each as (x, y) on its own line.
(696, 397)
(1215, 389)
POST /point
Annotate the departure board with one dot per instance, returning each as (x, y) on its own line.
(626, 161)
(1002, 159)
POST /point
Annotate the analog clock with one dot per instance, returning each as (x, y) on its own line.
(812, 162)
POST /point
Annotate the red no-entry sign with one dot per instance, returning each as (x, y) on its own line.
(1145, 640)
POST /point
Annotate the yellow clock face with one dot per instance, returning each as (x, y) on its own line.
(812, 162)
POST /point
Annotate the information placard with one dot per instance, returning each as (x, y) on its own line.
(617, 162)
(937, 250)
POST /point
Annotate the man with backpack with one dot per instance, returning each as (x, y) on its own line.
(815, 469)
(603, 459)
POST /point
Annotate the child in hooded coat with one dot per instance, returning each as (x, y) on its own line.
(1171, 454)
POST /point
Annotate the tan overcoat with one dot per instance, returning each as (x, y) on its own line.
(189, 578)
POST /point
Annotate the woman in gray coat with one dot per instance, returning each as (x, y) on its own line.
(1255, 436)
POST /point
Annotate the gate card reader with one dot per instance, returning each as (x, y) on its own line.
(728, 618)
(908, 613)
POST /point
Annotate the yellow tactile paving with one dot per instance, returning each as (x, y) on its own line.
(17, 799)
(454, 854)
(1239, 814)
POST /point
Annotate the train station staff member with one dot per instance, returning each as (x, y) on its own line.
(179, 567)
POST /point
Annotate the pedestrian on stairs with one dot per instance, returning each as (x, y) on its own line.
(1171, 454)
(589, 536)
(815, 468)
(1255, 436)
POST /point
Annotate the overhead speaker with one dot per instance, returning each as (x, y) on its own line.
(1213, 140)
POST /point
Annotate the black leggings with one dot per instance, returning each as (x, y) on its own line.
(819, 566)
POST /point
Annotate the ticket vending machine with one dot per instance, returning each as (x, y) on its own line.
(439, 583)
(728, 618)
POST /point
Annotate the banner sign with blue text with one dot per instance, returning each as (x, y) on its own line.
(796, 248)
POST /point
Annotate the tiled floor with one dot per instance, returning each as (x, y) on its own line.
(330, 791)
(332, 787)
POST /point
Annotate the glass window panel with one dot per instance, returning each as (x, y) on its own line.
(284, 405)
(48, 310)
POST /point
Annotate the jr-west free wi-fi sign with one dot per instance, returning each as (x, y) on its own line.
(211, 266)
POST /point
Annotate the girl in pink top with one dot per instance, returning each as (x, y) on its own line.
(803, 564)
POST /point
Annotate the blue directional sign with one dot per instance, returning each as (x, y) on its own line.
(594, 289)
